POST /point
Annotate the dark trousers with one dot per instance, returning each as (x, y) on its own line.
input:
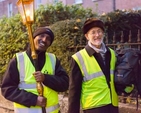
(104, 109)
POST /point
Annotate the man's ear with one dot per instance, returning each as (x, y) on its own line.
(86, 36)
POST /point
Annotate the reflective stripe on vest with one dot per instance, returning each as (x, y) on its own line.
(22, 64)
(95, 91)
(89, 76)
(23, 85)
(52, 96)
(35, 110)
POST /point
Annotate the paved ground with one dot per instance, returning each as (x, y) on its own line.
(128, 108)
(7, 106)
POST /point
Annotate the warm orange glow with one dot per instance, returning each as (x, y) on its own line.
(26, 9)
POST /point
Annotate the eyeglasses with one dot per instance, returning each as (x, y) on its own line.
(94, 33)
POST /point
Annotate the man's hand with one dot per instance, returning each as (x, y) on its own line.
(39, 77)
(41, 101)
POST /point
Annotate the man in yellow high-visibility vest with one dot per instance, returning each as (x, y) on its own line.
(92, 74)
(19, 82)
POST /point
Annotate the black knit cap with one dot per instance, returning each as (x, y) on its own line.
(92, 22)
(42, 30)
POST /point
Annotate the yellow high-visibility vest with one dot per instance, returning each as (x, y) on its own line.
(28, 83)
(95, 90)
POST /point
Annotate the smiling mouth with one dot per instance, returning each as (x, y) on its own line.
(42, 45)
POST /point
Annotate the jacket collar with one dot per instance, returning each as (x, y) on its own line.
(39, 54)
(91, 51)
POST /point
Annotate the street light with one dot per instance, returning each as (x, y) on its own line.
(26, 9)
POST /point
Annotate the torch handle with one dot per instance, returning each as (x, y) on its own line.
(43, 110)
(40, 91)
(39, 86)
(34, 56)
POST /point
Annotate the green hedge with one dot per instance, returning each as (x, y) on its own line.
(66, 23)
(14, 36)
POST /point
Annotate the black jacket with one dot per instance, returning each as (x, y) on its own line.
(76, 83)
(59, 82)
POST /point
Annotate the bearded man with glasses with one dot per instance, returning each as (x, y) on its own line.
(92, 74)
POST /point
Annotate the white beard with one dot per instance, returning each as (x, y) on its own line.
(97, 42)
(101, 50)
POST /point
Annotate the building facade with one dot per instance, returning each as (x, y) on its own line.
(104, 6)
(8, 8)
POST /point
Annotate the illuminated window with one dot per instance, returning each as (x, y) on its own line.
(78, 1)
(10, 9)
(55, 1)
(38, 2)
(2, 0)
